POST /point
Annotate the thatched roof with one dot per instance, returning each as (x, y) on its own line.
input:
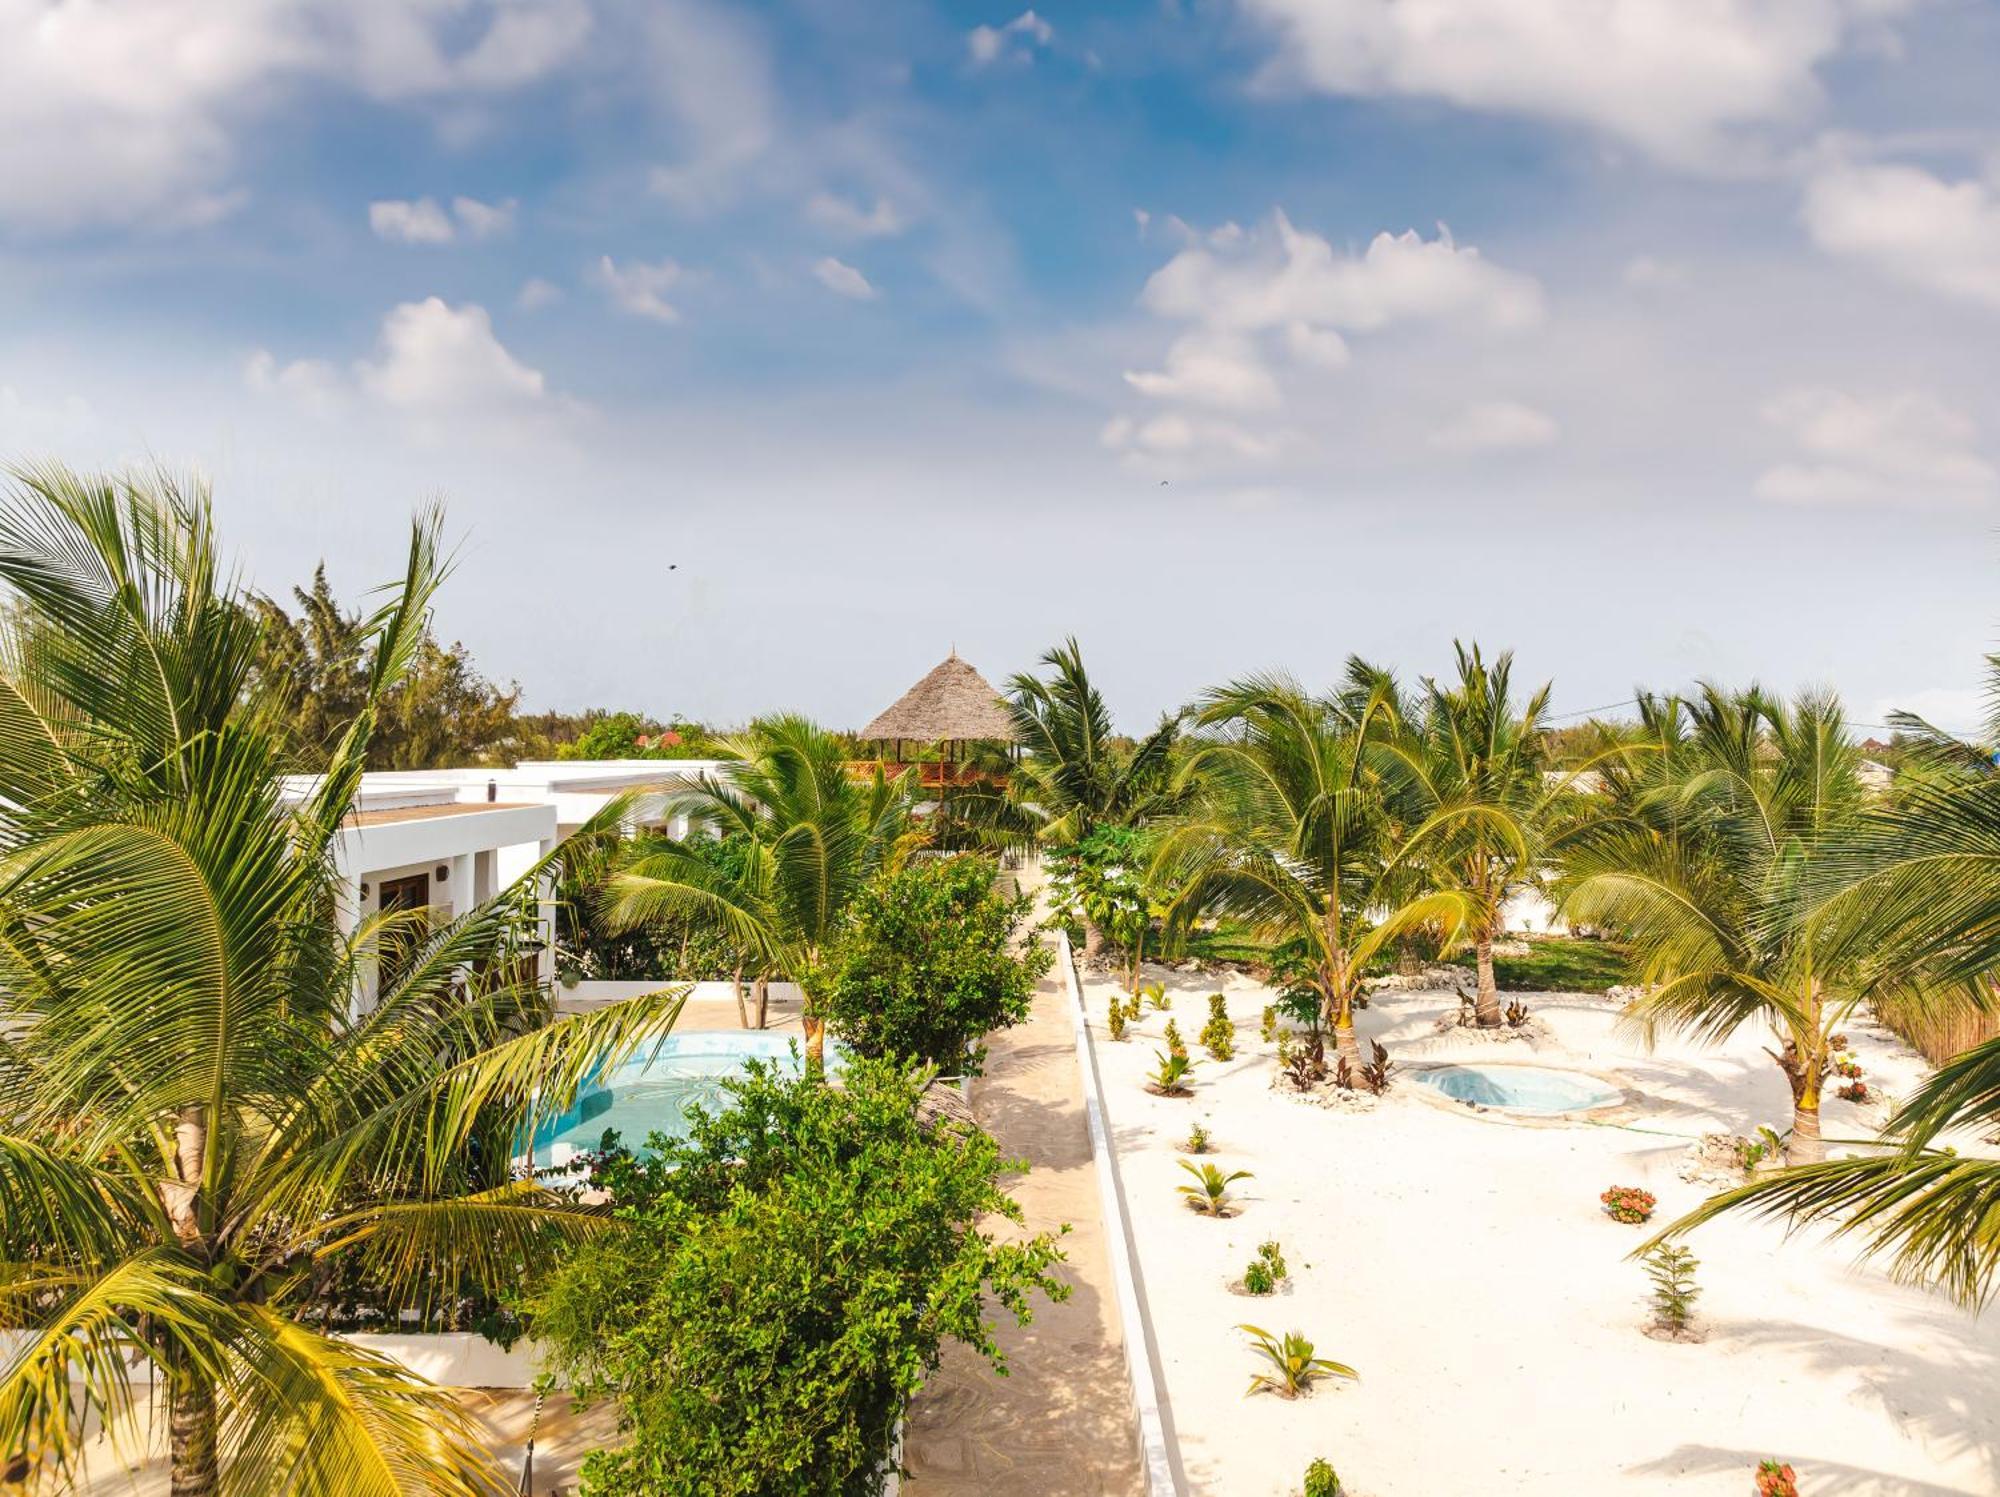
(953, 703)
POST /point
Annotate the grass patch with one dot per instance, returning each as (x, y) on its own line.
(1559, 964)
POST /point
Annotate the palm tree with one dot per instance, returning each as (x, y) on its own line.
(1471, 780)
(199, 1129)
(1287, 828)
(1705, 868)
(813, 835)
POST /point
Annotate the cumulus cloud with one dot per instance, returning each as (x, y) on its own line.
(1908, 448)
(313, 384)
(484, 220)
(843, 279)
(1014, 42)
(1910, 226)
(1217, 369)
(437, 358)
(639, 288)
(419, 222)
(536, 293)
(125, 111)
(1177, 443)
(713, 83)
(1674, 78)
(849, 218)
(1497, 426)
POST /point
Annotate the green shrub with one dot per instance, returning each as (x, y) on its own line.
(1218, 1037)
(1175, 1044)
(1197, 1140)
(1268, 1029)
(1273, 1257)
(1170, 1074)
(928, 962)
(1321, 1481)
(1257, 1278)
(1218, 1007)
(1117, 1021)
(784, 1280)
(1671, 1268)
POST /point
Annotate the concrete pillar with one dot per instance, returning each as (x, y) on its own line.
(545, 915)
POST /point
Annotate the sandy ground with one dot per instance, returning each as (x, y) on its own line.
(1463, 1266)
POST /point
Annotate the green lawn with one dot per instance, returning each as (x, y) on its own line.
(1559, 964)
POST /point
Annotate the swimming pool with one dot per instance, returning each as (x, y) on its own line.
(1527, 1089)
(651, 1092)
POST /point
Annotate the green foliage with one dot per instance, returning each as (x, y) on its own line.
(1257, 1278)
(1117, 1017)
(1153, 994)
(436, 710)
(683, 944)
(1671, 1268)
(1218, 1037)
(1197, 1140)
(1170, 1075)
(1267, 1026)
(627, 735)
(1210, 1192)
(1218, 1007)
(1559, 964)
(1628, 1204)
(1321, 1481)
(784, 1281)
(928, 961)
(1292, 1366)
(1273, 1257)
(1175, 1044)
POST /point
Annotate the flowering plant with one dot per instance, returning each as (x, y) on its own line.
(1628, 1203)
(1776, 1479)
(1855, 1091)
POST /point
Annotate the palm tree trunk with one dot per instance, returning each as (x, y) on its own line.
(1093, 944)
(1486, 1007)
(1805, 1146)
(178, 1194)
(191, 1436)
(736, 988)
(760, 995)
(1345, 1046)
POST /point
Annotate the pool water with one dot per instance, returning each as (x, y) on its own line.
(1520, 1088)
(652, 1091)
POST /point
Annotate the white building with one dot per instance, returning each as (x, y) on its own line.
(450, 839)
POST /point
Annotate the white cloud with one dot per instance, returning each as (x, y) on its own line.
(484, 220)
(1647, 273)
(1675, 77)
(435, 358)
(536, 293)
(843, 279)
(313, 383)
(844, 216)
(1177, 443)
(639, 288)
(1281, 276)
(712, 79)
(1910, 225)
(1218, 369)
(1014, 42)
(1497, 426)
(122, 111)
(1318, 346)
(419, 222)
(1956, 709)
(1908, 448)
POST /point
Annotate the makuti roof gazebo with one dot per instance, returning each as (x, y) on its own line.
(952, 705)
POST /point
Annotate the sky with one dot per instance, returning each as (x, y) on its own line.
(763, 353)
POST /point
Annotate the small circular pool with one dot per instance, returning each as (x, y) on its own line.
(1532, 1089)
(652, 1091)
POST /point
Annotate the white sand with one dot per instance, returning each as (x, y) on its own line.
(1464, 1267)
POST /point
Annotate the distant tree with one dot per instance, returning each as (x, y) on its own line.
(928, 962)
(627, 735)
(321, 662)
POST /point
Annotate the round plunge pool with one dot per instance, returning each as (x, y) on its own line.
(1523, 1089)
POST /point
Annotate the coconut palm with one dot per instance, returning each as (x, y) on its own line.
(1705, 869)
(1287, 829)
(813, 835)
(200, 1128)
(1471, 780)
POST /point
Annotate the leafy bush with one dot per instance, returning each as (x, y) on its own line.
(1267, 1028)
(1375, 1074)
(1273, 1257)
(1628, 1203)
(1153, 993)
(1671, 1268)
(1197, 1140)
(1117, 1020)
(928, 962)
(1293, 1366)
(1170, 1075)
(1854, 1091)
(1175, 1044)
(1257, 1278)
(1210, 1192)
(1777, 1479)
(1218, 1037)
(1302, 1061)
(784, 1281)
(1321, 1481)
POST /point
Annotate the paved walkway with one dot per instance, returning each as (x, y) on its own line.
(1062, 1422)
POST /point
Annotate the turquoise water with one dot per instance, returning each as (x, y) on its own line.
(1520, 1088)
(653, 1090)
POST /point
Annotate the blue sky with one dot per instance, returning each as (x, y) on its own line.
(1654, 341)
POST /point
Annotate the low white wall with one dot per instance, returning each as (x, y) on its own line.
(457, 1359)
(597, 994)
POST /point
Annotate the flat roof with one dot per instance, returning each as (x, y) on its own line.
(428, 813)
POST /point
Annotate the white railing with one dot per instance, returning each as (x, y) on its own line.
(1155, 1452)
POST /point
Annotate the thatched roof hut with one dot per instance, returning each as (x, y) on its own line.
(953, 704)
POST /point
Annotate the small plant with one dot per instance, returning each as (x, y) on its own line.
(1777, 1479)
(1117, 1021)
(1854, 1091)
(1267, 1029)
(1170, 1076)
(1258, 1279)
(1175, 1044)
(1517, 1014)
(1197, 1140)
(1752, 1152)
(1321, 1481)
(1218, 1038)
(1343, 1074)
(1218, 1006)
(1848, 1066)
(1301, 1061)
(1671, 1268)
(1155, 994)
(1294, 1368)
(1629, 1204)
(1210, 1192)
(1375, 1074)
(1273, 1257)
